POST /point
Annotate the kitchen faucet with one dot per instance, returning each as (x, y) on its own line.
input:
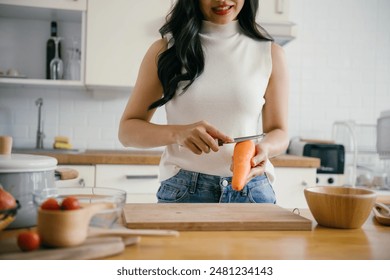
(40, 134)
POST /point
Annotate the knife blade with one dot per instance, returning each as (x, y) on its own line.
(241, 139)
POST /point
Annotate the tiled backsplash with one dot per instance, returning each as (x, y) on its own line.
(339, 66)
(90, 122)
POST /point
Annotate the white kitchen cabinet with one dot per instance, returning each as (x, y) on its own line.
(118, 36)
(86, 177)
(290, 184)
(77, 5)
(139, 181)
(24, 31)
(273, 10)
(274, 17)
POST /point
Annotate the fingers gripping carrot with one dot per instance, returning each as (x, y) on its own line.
(242, 155)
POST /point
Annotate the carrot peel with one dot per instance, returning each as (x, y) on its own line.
(242, 156)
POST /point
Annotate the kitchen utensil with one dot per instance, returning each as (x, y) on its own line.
(92, 248)
(65, 228)
(86, 195)
(71, 227)
(125, 232)
(212, 217)
(241, 139)
(340, 207)
(66, 173)
(382, 213)
(21, 175)
(5, 145)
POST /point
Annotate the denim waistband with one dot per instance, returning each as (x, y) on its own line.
(194, 177)
(189, 186)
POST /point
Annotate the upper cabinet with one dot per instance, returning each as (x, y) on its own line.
(274, 17)
(110, 38)
(25, 27)
(118, 36)
(274, 10)
(76, 5)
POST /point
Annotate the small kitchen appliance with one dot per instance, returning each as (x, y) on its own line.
(331, 155)
(383, 145)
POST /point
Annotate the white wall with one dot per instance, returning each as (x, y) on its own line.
(339, 65)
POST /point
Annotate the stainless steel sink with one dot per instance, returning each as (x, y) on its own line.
(45, 151)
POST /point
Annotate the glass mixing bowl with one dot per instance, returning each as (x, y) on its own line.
(104, 218)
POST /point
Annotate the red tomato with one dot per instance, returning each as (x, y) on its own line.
(70, 203)
(7, 201)
(50, 204)
(29, 241)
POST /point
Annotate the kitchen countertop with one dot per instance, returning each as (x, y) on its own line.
(370, 242)
(152, 157)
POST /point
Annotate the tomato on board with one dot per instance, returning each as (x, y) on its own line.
(50, 204)
(29, 241)
(70, 203)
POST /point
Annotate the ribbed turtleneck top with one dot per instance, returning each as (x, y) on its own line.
(229, 94)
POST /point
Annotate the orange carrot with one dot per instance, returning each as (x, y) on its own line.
(242, 155)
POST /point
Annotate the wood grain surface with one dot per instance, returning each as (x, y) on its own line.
(213, 217)
(93, 248)
(150, 157)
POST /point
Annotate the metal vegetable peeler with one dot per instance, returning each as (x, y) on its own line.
(241, 139)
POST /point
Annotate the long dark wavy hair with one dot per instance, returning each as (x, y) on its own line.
(184, 23)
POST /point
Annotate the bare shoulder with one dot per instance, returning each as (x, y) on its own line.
(276, 50)
(158, 47)
(153, 52)
(278, 58)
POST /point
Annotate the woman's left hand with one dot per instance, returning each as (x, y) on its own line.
(257, 162)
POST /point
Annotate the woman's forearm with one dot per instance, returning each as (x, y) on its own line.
(275, 142)
(143, 134)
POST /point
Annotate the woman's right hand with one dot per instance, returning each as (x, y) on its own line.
(200, 137)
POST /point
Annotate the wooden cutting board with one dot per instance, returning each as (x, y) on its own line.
(212, 217)
(93, 248)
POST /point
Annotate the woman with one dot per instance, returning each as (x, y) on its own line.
(219, 76)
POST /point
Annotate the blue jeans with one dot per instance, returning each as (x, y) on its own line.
(193, 187)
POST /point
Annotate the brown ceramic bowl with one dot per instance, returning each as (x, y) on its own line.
(340, 207)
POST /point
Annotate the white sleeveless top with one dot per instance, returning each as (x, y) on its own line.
(229, 95)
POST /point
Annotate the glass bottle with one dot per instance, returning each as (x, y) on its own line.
(56, 64)
(50, 47)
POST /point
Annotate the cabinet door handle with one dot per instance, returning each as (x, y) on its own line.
(142, 177)
(82, 182)
(279, 6)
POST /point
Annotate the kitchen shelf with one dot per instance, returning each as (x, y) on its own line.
(10, 82)
(25, 29)
(37, 13)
